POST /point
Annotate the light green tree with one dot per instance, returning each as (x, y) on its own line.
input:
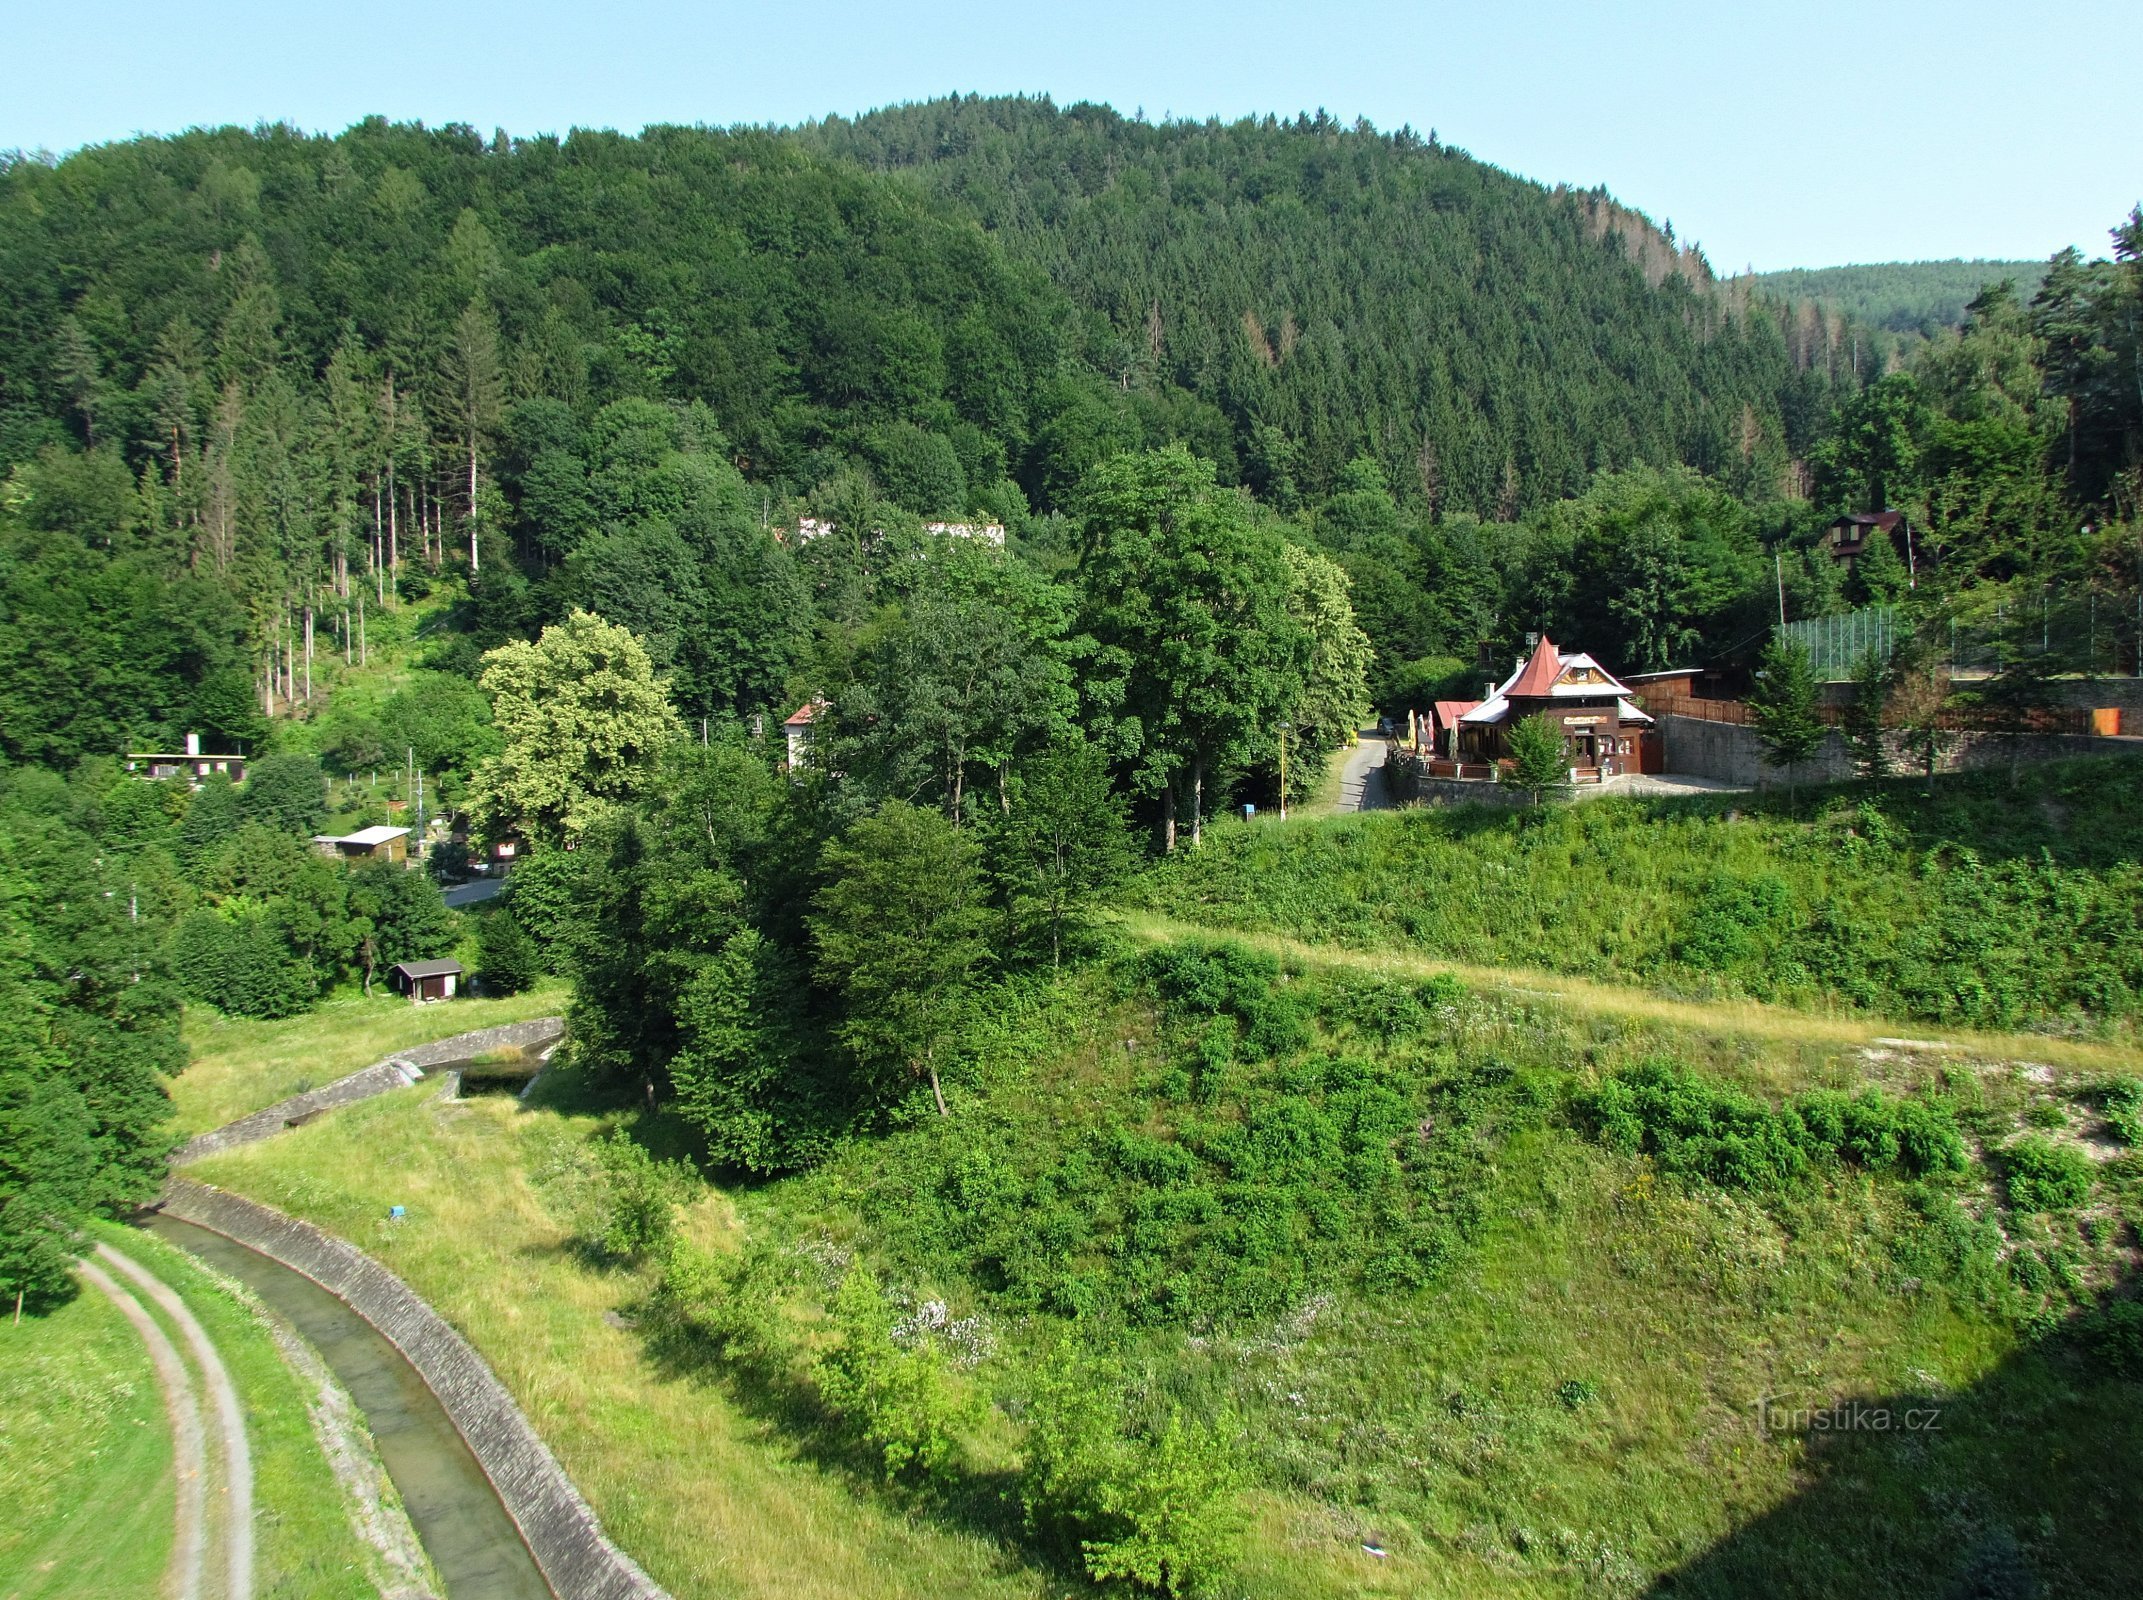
(1335, 688)
(581, 717)
(1186, 594)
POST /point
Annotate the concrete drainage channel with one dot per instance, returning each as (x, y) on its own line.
(475, 1547)
(494, 1510)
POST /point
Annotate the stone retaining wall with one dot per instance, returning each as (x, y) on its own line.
(1733, 754)
(1408, 782)
(402, 1068)
(562, 1531)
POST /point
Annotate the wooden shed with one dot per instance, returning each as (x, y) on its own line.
(425, 981)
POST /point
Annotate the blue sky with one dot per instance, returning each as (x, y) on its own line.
(1774, 135)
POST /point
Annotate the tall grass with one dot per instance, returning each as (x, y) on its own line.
(1985, 906)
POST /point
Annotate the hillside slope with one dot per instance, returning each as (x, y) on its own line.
(1922, 297)
(1335, 291)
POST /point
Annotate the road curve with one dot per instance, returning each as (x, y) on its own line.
(230, 1423)
(189, 1457)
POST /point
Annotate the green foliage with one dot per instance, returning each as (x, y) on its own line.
(1539, 760)
(543, 893)
(1335, 688)
(506, 960)
(88, 1034)
(581, 719)
(242, 962)
(2112, 1334)
(1187, 598)
(1918, 297)
(1698, 1129)
(900, 1394)
(1154, 1506)
(665, 920)
(1250, 1165)
(1063, 841)
(2041, 1175)
(1738, 922)
(1782, 707)
(285, 792)
(398, 915)
(1644, 564)
(1886, 908)
(632, 1210)
(898, 932)
(2123, 1103)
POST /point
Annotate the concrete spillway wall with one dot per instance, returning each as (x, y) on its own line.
(562, 1531)
(398, 1070)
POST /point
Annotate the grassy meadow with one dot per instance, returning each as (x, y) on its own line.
(239, 1064)
(1464, 1344)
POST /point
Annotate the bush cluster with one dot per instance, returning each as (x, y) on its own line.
(1153, 1505)
(1696, 1128)
(2041, 1175)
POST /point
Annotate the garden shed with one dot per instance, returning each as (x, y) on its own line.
(425, 981)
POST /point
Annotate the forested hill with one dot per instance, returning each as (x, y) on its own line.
(1914, 297)
(1334, 291)
(1282, 296)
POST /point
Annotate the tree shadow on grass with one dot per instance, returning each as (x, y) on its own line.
(2028, 1485)
(973, 1501)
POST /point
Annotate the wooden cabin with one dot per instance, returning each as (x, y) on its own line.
(425, 981)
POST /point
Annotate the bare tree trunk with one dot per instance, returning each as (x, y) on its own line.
(937, 1090)
(1168, 818)
(1197, 801)
(308, 652)
(472, 499)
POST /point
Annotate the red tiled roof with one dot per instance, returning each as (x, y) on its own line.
(1449, 711)
(803, 713)
(1538, 678)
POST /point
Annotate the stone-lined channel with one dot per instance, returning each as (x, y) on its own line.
(471, 1540)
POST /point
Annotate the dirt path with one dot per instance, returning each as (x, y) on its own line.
(1750, 1018)
(189, 1456)
(237, 1499)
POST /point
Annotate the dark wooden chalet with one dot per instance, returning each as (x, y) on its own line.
(1601, 724)
(425, 981)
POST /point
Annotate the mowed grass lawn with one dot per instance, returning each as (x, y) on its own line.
(238, 1065)
(85, 1458)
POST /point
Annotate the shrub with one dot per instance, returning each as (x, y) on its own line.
(635, 1197)
(2113, 1336)
(1700, 1129)
(901, 1398)
(2043, 1176)
(1156, 1507)
(2122, 1101)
